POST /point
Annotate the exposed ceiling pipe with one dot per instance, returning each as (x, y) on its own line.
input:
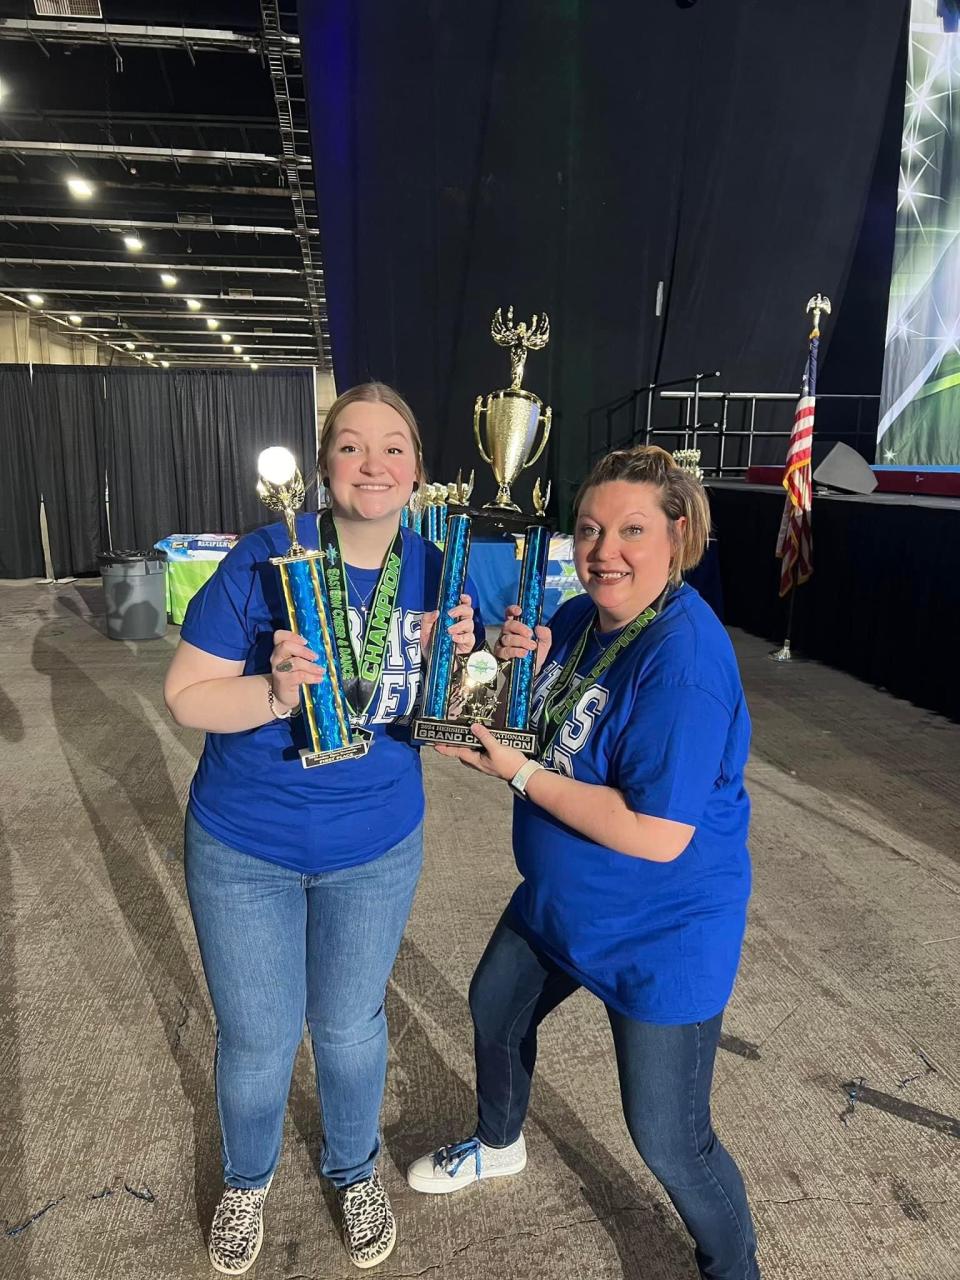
(221, 228)
(125, 33)
(148, 266)
(133, 293)
(163, 155)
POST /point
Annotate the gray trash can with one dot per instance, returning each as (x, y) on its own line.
(135, 594)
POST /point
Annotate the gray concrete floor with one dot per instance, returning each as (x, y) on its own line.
(850, 971)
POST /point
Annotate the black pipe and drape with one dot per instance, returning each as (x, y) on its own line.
(175, 451)
(585, 159)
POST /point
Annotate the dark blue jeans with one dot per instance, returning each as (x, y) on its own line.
(665, 1078)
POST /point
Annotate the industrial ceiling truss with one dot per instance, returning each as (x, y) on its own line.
(138, 207)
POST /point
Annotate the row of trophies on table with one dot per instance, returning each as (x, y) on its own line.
(459, 690)
(429, 508)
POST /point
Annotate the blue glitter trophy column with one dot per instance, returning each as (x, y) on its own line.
(325, 708)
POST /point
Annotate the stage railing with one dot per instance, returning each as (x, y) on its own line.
(734, 440)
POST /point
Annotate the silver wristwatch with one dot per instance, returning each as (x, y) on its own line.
(518, 782)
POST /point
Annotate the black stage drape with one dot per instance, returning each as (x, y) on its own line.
(882, 603)
(570, 157)
(21, 550)
(175, 451)
(69, 416)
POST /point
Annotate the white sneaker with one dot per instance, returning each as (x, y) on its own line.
(463, 1163)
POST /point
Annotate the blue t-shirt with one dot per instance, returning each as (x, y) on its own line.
(250, 790)
(667, 726)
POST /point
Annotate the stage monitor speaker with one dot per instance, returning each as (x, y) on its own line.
(844, 469)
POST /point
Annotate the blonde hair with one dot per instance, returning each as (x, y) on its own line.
(681, 497)
(369, 393)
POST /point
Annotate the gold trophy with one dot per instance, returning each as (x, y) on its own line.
(512, 415)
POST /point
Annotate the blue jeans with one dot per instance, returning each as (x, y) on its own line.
(665, 1078)
(279, 947)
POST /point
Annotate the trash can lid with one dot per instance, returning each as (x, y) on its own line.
(129, 557)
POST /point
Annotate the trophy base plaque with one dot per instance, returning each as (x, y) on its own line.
(457, 733)
(352, 751)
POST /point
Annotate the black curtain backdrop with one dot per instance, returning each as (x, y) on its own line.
(225, 421)
(69, 419)
(568, 157)
(897, 631)
(21, 550)
(178, 450)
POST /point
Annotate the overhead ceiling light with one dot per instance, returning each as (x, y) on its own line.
(35, 299)
(131, 346)
(237, 350)
(75, 319)
(80, 188)
(226, 337)
(165, 364)
(133, 243)
(3, 91)
(246, 359)
(168, 278)
(254, 366)
(193, 304)
(148, 355)
(212, 324)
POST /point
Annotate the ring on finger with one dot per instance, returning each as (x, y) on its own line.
(284, 666)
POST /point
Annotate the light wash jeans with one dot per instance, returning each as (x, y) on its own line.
(279, 947)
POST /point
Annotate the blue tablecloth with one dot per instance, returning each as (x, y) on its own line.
(495, 569)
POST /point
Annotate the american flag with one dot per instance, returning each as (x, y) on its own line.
(795, 540)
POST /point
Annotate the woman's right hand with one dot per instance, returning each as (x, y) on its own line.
(516, 640)
(292, 664)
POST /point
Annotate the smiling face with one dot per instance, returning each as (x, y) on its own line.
(623, 546)
(370, 462)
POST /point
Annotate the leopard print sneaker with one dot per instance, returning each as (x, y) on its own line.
(236, 1233)
(370, 1229)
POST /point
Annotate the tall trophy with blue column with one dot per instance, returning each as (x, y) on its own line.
(462, 690)
(306, 593)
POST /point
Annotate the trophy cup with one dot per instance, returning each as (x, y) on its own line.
(325, 708)
(512, 415)
(461, 690)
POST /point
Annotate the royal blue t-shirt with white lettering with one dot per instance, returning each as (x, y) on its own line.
(250, 789)
(667, 725)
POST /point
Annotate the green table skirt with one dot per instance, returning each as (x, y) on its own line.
(184, 580)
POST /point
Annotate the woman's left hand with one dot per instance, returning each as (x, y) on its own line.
(461, 628)
(495, 759)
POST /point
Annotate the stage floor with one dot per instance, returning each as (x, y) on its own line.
(851, 969)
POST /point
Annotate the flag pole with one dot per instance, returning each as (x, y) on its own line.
(818, 304)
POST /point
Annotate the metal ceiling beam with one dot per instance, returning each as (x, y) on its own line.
(149, 266)
(64, 325)
(188, 228)
(123, 33)
(248, 342)
(116, 293)
(304, 208)
(162, 155)
(181, 188)
(225, 316)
